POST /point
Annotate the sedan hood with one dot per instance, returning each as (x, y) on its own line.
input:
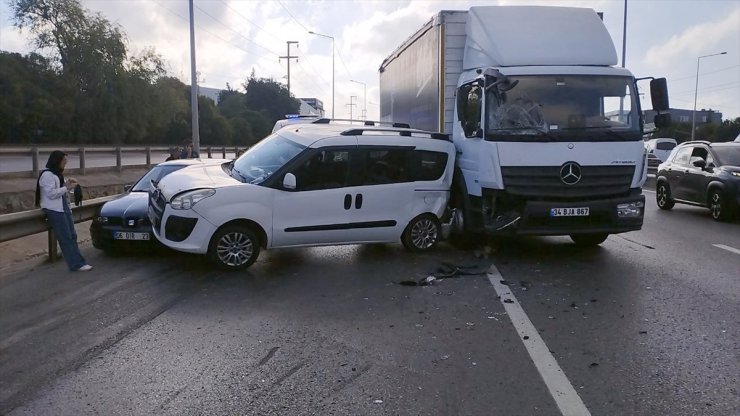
(195, 177)
(130, 205)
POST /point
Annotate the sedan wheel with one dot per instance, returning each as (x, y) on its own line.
(422, 233)
(234, 248)
(663, 196)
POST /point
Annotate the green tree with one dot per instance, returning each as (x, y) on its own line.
(270, 98)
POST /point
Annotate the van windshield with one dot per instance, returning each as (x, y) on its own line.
(567, 107)
(263, 159)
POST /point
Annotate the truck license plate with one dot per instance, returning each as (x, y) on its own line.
(118, 235)
(569, 212)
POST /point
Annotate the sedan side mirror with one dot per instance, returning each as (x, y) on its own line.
(289, 182)
(701, 163)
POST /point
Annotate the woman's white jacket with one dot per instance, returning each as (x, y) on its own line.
(51, 192)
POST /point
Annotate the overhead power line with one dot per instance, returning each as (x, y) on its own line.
(703, 73)
(291, 15)
(250, 21)
(239, 34)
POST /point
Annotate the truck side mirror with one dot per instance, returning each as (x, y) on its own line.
(289, 182)
(659, 94)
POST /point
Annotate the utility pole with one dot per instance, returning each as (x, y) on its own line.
(194, 84)
(351, 104)
(288, 57)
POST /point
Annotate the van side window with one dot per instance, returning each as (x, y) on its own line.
(665, 145)
(385, 165)
(429, 166)
(325, 169)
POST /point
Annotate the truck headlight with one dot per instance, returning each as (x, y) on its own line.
(186, 200)
(631, 209)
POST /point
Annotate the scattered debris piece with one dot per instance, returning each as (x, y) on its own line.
(526, 337)
(573, 305)
(378, 401)
(504, 282)
(643, 332)
(525, 284)
(593, 300)
(469, 323)
(445, 271)
(592, 365)
(444, 357)
(508, 301)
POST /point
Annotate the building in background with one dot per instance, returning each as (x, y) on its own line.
(684, 116)
(310, 106)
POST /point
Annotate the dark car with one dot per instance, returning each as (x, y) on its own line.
(702, 173)
(124, 222)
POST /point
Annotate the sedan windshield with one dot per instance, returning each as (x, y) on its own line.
(264, 158)
(559, 106)
(156, 174)
(728, 155)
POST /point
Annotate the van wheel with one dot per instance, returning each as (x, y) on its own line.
(589, 240)
(234, 247)
(663, 196)
(422, 233)
(718, 206)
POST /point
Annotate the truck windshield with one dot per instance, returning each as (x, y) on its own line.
(560, 107)
(264, 158)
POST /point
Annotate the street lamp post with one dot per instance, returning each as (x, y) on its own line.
(696, 91)
(332, 67)
(364, 98)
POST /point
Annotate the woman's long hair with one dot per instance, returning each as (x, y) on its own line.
(53, 165)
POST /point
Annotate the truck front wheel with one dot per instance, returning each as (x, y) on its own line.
(589, 240)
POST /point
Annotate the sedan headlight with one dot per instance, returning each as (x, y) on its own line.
(187, 200)
(101, 220)
(737, 174)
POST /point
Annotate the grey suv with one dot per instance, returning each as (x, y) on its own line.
(704, 174)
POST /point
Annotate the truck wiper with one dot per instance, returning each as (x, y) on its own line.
(607, 130)
(542, 132)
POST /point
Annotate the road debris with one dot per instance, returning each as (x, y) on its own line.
(445, 271)
(508, 301)
(378, 401)
(592, 365)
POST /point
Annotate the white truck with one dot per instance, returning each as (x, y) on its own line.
(548, 131)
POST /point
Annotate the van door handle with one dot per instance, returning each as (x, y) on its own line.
(347, 201)
(358, 201)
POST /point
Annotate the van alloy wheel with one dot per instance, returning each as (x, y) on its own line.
(422, 233)
(234, 247)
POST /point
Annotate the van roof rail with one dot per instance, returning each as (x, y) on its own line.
(325, 120)
(401, 131)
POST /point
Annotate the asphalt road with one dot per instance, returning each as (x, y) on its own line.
(644, 325)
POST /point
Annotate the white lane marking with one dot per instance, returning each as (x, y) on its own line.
(560, 388)
(728, 248)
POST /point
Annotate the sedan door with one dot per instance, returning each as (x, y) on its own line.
(676, 173)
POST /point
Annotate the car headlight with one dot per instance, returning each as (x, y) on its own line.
(631, 209)
(101, 220)
(187, 200)
(737, 174)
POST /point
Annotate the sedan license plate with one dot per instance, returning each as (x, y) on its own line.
(569, 212)
(122, 235)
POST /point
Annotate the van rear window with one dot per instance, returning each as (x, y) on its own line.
(665, 145)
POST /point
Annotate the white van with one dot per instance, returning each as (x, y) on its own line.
(317, 184)
(661, 147)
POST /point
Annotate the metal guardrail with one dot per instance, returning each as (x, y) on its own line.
(22, 224)
(34, 152)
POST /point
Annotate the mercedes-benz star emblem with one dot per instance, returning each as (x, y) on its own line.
(570, 173)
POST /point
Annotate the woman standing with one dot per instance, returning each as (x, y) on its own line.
(52, 195)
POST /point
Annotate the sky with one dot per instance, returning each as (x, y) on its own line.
(235, 37)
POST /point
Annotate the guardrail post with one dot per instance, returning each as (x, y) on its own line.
(53, 254)
(81, 151)
(148, 157)
(208, 151)
(35, 160)
(223, 151)
(119, 165)
(236, 151)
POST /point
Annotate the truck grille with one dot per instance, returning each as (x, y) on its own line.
(543, 182)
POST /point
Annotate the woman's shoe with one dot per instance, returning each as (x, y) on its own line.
(85, 268)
